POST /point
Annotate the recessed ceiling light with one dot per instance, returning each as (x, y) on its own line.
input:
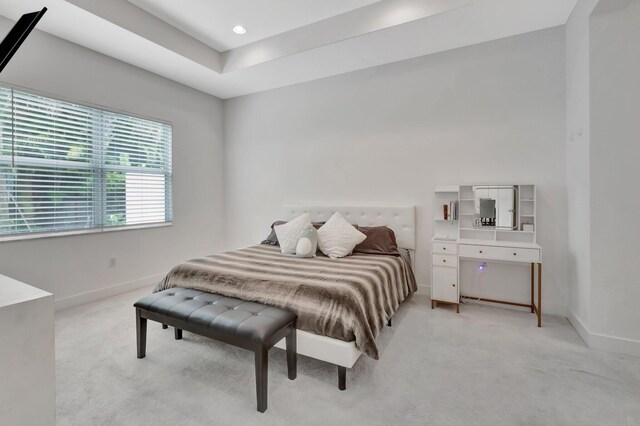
(239, 29)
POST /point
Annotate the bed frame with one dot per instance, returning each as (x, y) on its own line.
(402, 220)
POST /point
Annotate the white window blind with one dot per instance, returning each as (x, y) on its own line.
(68, 167)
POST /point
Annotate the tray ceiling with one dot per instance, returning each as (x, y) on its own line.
(287, 41)
(214, 20)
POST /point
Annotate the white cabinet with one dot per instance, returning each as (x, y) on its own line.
(444, 273)
(445, 284)
(27, 355)
(444, 247)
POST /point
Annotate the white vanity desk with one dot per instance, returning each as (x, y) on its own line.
(455, 238)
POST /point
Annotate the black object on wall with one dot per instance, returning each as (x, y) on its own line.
(17, 35)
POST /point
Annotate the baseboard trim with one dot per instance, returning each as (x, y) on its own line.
(603, 342)
(424, 288)
(619, 345)
(104, 292)
(579, 327)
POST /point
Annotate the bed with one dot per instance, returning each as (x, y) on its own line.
(341, 303)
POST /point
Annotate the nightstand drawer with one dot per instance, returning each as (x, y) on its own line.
(500, 253)
(444, 260)
(444, 248)
(444, 284)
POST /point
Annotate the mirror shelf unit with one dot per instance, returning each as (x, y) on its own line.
(463, 225)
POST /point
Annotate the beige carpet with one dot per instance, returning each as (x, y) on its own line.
(485, 366)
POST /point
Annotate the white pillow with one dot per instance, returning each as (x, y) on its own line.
(289, 233)
(337, 237)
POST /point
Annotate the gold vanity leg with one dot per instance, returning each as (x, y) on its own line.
(539, 294)
(433, 304)
(532, 293)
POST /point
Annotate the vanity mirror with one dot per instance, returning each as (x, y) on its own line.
(486, 212)
(495, 206)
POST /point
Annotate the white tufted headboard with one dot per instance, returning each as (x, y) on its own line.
(401, 219)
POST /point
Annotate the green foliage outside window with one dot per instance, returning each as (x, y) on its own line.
(65, 166)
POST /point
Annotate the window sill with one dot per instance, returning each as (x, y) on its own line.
(36, 235)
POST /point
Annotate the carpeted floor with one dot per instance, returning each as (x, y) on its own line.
(485, 366)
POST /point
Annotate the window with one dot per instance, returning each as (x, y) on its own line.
(66, 167)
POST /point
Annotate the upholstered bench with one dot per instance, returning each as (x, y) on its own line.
(248, 325)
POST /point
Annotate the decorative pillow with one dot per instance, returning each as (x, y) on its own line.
(337, 237)
(308, 242)
(272, 239)
(289, 233)
(380, 240)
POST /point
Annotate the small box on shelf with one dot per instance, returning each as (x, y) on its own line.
(528, 227)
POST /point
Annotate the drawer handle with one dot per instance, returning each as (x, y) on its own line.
(453, 285)
(480, 251)
(444, 260)
(444, 248)
(515, 254)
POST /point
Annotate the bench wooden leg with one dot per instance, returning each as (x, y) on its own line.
(292, 353)
(262, 368)
(177, 333)
(141, 334)
(342, 377)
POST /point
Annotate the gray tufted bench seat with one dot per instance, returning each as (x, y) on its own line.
(248, 325)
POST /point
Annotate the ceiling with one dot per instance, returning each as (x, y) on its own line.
(287, 41)
(264, 18)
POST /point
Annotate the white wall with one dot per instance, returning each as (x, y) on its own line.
(603, 62)
(615, 171)
(67, 266)
(578, 177)
(491, 113)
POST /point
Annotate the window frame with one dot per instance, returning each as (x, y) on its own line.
(88, 166)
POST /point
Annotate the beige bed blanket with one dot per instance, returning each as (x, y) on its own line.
(349, 299)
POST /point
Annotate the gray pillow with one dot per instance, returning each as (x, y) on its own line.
(272, 239)
(307, 242)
